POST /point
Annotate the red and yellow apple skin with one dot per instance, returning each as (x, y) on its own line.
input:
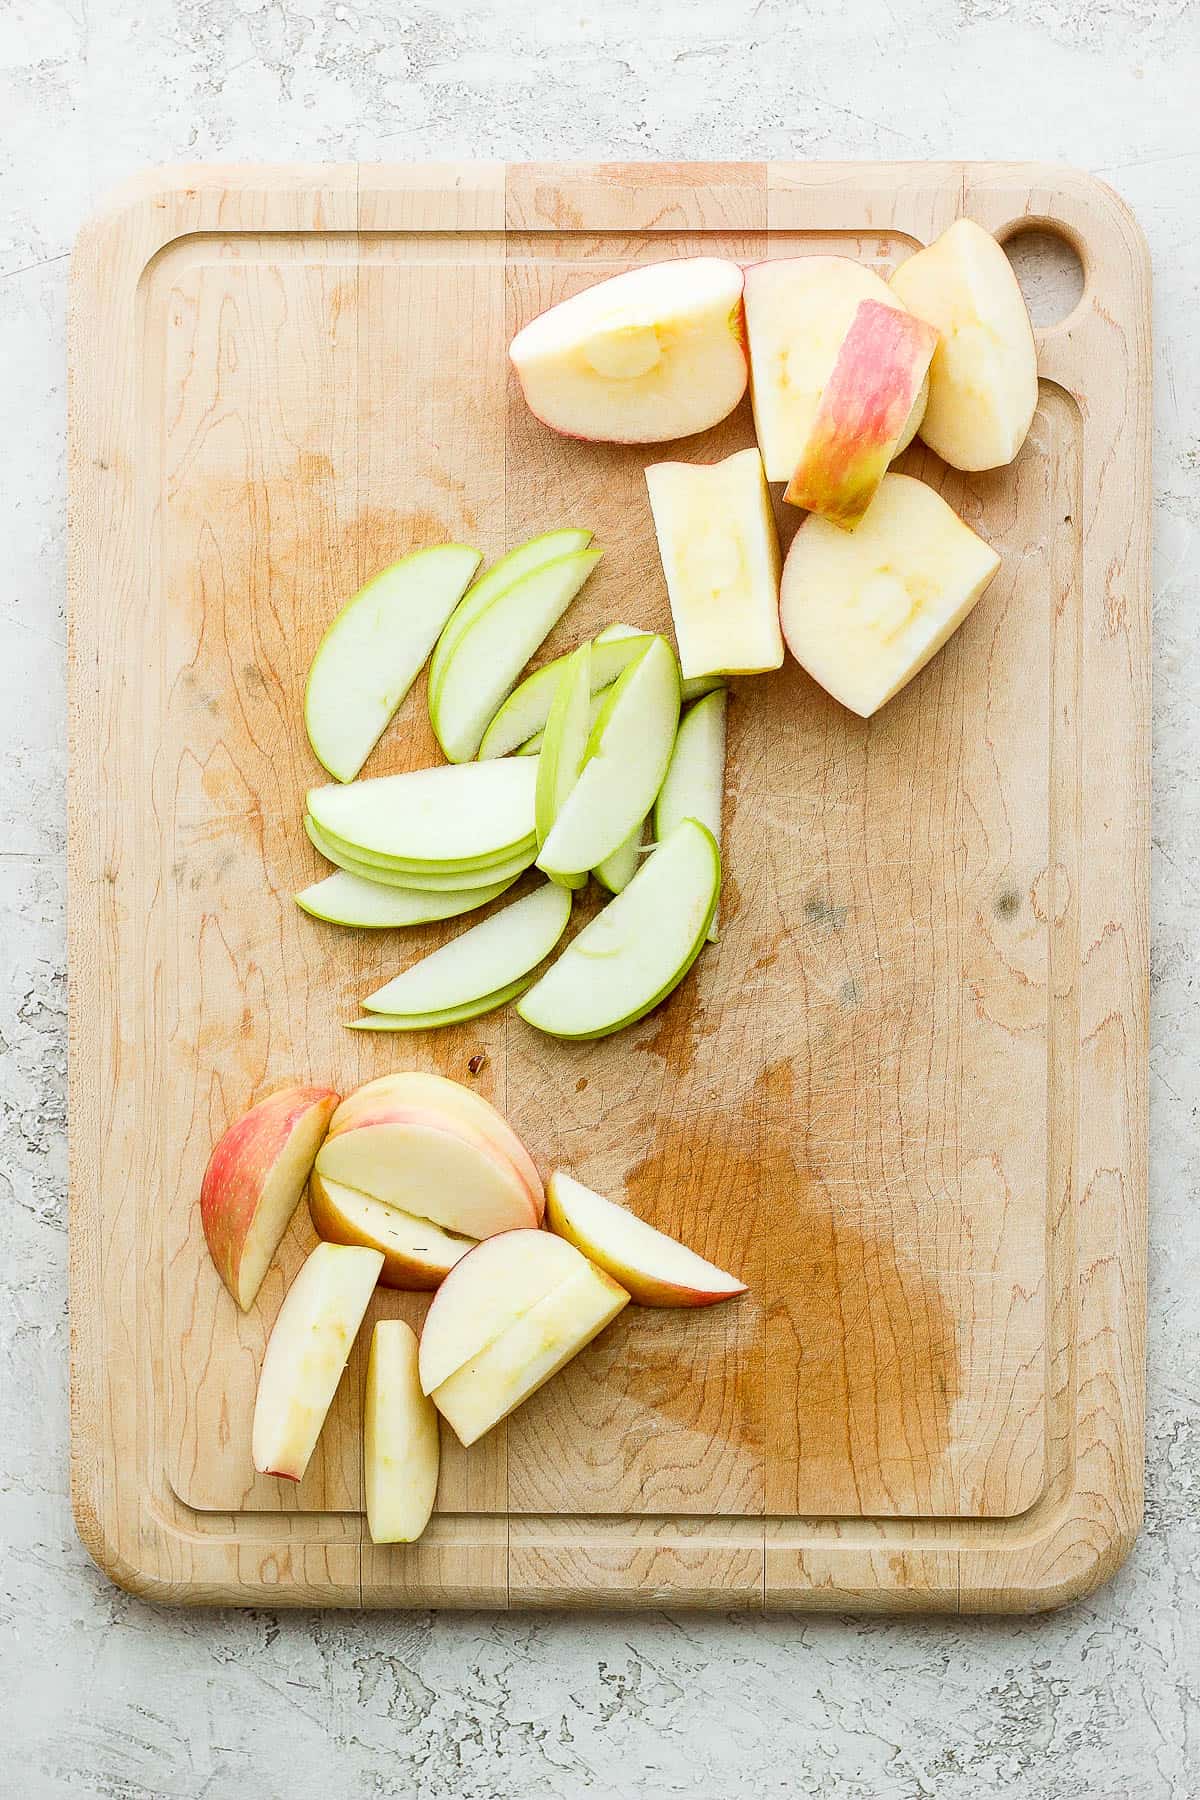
(863, 411)
(254, 1179)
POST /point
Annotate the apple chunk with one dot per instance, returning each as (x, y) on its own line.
(798, 313)
(720, 556)
(864, 408)
(654, 354)
(417, 1254)
(433, 1167)
(308, 1348)
(484, 1293)
(254, 1180)
(401, 1448)
(864, 611)
(656, 1269)
(983, 383)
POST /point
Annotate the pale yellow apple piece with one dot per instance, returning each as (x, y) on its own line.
(417, 1254)
(401, 1449)
(657, 1270)
(486, 1292)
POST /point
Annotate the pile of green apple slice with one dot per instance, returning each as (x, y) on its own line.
(565, 769)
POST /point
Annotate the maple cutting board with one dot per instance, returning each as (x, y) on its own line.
(905, 1096)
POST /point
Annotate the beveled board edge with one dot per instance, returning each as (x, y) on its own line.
(139, 1532)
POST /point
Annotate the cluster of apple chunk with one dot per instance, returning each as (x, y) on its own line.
(844, 370)
(417, 1182)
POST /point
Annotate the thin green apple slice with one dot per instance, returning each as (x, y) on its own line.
(483, 667)
(695, 782)
(694, 687)
(513, 567)
(448, 1015)
(641, 946)
(488, 957)
(431, 881)
(442, 866)
(462, 813)
(344, 899)
(375, 649)
(523, 715)
(617, 871)
(595, 708)
(627, 757)
(563, 748)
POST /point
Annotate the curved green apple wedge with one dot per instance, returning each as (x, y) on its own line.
(638, 949)
(513, 567)
(596, 706)
(375, 649)
(694, 787)
(469, 866)
(464, 813)
(345, 899)
(449, 1015)
(527, 708)
(494, 647)
(617, 871)
(564, 746)
(428, 880)
(491, 956)
(627, 757)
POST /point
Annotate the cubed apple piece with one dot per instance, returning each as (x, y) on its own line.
(308, 1348)
(864, 611)
(720, 556)
(695, 783)
(498, 1281)
(656, 1269)
(654, 354)
(401, 1447)
(983, 383)
(798, 313)
(437, 816)
(417, 1254)
(862, 414)
(254, 1180)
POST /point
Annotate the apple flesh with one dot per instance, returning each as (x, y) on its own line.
(445, 1015)
(513, 567)
(431, 1166)
(401, 1447)
(432, 816)
(564, 746)
(720, 556)
(489, 956)
(523, 716)
(864, 611)
(631, 955)
(416, 1089)
(695, 782)
(656, 1269)
(862, 414)
(798, 313)
(486, 1292)
(371, 905)
(306, 1353)
(254, 1180)
(375, 649)
(654, 354)
(417, 1254)
(617, 871)
(425, 881)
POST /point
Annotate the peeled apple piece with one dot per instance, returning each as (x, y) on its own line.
(983, 382)
(720, 555)
(653, 354)
(864, 611)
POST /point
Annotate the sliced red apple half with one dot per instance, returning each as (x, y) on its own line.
(417, 1254)
(656, 1269)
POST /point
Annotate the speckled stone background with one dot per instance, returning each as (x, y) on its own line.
(101, 1695)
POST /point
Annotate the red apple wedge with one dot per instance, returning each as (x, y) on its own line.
(417, 1254)
(864, 408)
(254, 1180)
(498, 1281)
(655, 1269)
(431, 1166)
(308, 1349)
(401, 1447)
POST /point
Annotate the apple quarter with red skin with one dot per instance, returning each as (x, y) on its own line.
(307, 1351)
(401, 1441)
(484, 1293)
(864, 408)
(428, 1165)
(653, 354)
(254, 1180)
(417, 1254)
(655, 1269)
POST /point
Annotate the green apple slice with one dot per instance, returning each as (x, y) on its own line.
(490, 956)
(627, 757)
(486, 660)
(513, 567)
(523, 715)
(395, 865)
(696, 686)
(564, 747)
(430, 880)
(641, 946)
(595, 708)
(463, 813)
(617, 871)
(448, 1015)
(695, 782)
(375, 649)
(344, 899)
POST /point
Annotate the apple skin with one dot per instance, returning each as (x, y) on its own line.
(864, 408)
(361, 1220)
(280, 1136)
(492, 1286)
(633, 1272)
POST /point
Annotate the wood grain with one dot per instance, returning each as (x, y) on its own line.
(905, 1095)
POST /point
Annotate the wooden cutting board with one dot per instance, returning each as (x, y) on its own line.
(906, 1094)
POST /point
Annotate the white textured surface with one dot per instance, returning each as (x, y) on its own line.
(100, 1695)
